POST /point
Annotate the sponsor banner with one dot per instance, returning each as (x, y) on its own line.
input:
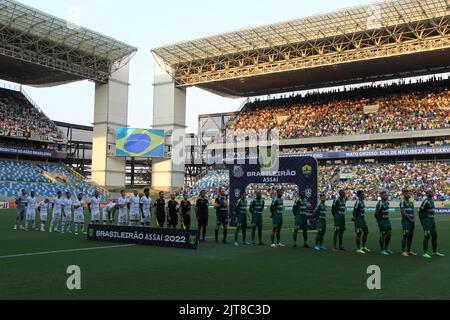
(357, 154)
(300, 171)
(4, 205)
(169, 238)
(33, 152)
(15, 134)
(443, 211)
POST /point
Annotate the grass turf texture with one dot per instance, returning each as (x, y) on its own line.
(217, 271)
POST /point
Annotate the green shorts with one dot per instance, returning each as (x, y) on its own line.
(242, 221)
(408, 227)
(429, 226)
(301, 221)
(257, 220)
(321, 226)
(384, 225)
(277, 220)
(361, 225)
(339, 223)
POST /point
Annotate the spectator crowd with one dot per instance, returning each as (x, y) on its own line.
(17, 113)
(399, 107)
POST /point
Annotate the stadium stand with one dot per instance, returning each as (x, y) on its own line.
(398, 107)
(43, 178)
(372, 178)
(18, 113)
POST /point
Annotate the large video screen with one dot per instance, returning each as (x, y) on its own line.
(140, 143)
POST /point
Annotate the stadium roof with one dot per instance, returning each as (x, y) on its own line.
(47, 42)
(198, 62)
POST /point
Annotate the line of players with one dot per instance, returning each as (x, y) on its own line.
(338, 210)
(136, 210)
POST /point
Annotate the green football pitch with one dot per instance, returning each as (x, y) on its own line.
(33, 266)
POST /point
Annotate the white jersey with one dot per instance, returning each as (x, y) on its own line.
(95, 204)
(43, 209)
(146, 205)
(67, 203)
(134, 203)
(31, 205)
(123, 202)
(123, 212)
(134, 207)
(57, 206)
(108, 209)
(79, 212)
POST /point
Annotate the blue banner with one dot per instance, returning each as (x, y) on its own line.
(300, 171)
(33, 152)
(328, 155)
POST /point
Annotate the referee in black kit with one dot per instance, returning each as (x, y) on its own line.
(202, 212)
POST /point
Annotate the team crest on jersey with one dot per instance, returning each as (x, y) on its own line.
(307, 170)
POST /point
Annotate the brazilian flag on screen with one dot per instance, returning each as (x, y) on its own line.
(140, 143)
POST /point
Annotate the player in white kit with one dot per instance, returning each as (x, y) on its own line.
(31, 211)
(67, 208)
(108, 213)
(135, 202)
(145, 206)
(123, 209)
(94, 208)
(43, 211)
(57, 209)
(78, 213)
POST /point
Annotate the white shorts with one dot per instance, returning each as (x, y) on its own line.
(43, 216)
(68, 217)
(134, 215)
(95, 216)
(56, 215)
(105, 215)
(31, 215)
(147, 218)
(79, 218)
(123, 218)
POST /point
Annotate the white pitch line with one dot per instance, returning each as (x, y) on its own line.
(64, 251)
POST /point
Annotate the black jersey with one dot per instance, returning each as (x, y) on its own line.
(202, 207)
(160, 205)
(173, 207)
(185, 208)
(222, 208)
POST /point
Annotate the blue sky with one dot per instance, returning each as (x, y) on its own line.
(148, 24)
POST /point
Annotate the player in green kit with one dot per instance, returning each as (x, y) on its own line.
(300, 211)
(426, 214)
(339, 210)
(384, 223)
(277, 211)
(320, 214)
(361, 228)
(408, 223)
(256, 209)
(241, 215)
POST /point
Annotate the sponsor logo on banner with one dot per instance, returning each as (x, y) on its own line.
(307, 170)
(169, 238)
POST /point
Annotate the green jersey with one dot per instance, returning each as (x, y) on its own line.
(277, 207)
(428, 209)
(383, 206)
(301, 207)
(339, 208)
(241, 208)
(408, 206)
(257, 207)
(322, 211)
(360, 210)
